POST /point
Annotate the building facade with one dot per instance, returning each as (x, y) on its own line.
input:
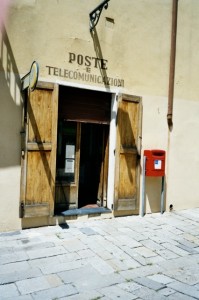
(105, 92)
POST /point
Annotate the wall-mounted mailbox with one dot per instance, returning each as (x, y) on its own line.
(155, 163)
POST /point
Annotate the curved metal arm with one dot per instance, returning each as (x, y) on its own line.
(95, 14)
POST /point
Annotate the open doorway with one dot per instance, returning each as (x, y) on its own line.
(82, 149)
(94, 139)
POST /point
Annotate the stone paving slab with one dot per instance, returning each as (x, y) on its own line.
(9, 290)
(92, 295)
(13, 257)
(24, 297)
(115, 292)
(154, 257)
(14, 267)
(179, 296)
(185, 289)
(28, 286)
(19, 275)
(55, 293)
(152, 284)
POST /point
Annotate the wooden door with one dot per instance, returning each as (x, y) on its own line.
(39, 152)
(127, 155)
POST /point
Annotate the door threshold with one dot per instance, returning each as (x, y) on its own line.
(86, 211)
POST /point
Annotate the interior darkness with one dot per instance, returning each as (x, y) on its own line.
(91, 158)
(92, 110)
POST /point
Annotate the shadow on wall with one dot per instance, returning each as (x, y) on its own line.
(10, 105)
(127, 140)
(153, 187)
(99, 55)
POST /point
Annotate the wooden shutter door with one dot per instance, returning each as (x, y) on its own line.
(39, 156)
(127, 155)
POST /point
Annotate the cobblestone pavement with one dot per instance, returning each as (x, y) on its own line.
(154, 257)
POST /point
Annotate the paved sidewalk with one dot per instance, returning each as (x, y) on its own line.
(155, 257)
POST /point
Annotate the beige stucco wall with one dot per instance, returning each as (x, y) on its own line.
(183, 164)
(10, 126)
(136, 45)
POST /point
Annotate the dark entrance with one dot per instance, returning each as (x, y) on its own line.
(92, 157)
(82, 148)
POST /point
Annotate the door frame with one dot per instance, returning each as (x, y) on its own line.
(74, 185)
(112, 133)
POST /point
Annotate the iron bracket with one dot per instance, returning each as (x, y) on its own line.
(95, 14)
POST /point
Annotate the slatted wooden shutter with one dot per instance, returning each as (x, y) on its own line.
(39, 154)
(127, 155)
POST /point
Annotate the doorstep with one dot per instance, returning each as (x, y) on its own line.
(86, 211)
(83, 214)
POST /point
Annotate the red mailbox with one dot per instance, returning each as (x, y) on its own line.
(155, 162)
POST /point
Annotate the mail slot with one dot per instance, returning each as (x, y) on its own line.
(155, 162)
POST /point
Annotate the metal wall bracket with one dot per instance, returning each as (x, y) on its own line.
(95, 14)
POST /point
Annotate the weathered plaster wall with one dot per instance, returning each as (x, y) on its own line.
(10, 126)
(136, 45)
(183, 164)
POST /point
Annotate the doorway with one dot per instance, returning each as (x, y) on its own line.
(94, 138)
(51, 167)
(82, 149)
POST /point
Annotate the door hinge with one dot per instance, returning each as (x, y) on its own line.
(21, 210)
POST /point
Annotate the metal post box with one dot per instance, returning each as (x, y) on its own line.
(155, 162)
